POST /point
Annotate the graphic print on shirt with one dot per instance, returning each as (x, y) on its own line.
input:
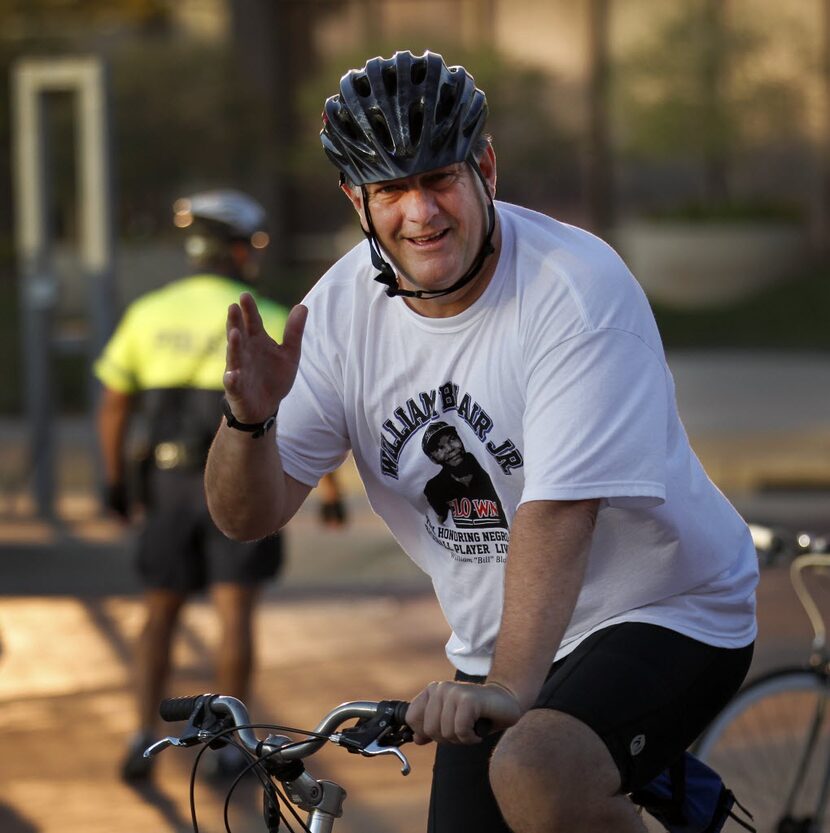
(423, 408)
(469, 520)
(462, 489)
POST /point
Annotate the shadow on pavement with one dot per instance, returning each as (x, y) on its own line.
(12, 822)
(68, 567)
(166, 807)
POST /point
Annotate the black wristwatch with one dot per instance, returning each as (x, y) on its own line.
(255, 429)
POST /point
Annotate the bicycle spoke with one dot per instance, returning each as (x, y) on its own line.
(763, 752)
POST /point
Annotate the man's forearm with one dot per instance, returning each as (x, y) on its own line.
(112, 420)
(549, 543)
(245, 485)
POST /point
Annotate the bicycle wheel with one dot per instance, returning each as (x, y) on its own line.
(771, 746)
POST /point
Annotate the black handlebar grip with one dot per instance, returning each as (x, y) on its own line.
(483, 727)
(178, 708)
(401, 707)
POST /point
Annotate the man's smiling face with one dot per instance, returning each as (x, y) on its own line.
(430, 225)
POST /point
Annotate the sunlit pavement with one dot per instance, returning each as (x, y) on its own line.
(66, 715)
(64, 682)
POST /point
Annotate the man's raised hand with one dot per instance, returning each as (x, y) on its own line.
(259, 372)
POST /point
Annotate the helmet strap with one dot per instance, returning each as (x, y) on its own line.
(386, 273)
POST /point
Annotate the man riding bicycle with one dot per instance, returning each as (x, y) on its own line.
(601, 590)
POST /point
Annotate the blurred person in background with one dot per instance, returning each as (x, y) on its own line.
(165, 361)
(605, 611)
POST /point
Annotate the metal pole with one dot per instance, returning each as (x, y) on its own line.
(95, 199)
(86, 79)
(38, 288)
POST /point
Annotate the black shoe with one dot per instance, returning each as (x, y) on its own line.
(135, 767)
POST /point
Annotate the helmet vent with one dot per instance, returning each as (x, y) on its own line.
(390, 81)
(446, 102)
(362, 86)
(416, 121)
(418, 73)
(381, 129)
(346, 124)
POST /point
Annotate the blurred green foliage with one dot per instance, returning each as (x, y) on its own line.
(697, 86)
(697, 91)
(788, 316)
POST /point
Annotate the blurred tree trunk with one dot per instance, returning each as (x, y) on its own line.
(274, 44)
(600, 173)
(716, 119)
(821, 212)
(258, 31)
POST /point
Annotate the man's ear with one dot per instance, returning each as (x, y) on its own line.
(355, 197)
(487, 165)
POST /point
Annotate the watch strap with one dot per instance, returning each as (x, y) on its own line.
(255, 429)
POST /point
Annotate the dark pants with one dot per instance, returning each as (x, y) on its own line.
(624, 681)
(181, 550)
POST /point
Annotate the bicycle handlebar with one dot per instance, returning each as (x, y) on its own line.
(177, 708)
(819, 562)
(381, 727)
(211, 719)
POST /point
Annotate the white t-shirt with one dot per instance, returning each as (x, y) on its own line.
(555, 382)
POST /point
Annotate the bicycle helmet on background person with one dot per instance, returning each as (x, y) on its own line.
(215, 220)
(401, 116)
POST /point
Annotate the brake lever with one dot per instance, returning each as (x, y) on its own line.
(162, 744)
(374, 749)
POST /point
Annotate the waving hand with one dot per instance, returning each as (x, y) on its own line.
(259, 372)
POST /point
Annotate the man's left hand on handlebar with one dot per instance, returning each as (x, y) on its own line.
(447, 712)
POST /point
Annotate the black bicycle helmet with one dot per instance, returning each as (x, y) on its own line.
(401, 116)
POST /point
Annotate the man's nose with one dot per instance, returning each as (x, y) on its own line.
(420, 205)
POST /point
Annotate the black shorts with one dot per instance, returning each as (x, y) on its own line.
(647, 691)
(180, 549)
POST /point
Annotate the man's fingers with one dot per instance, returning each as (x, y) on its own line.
(233, 349)
(252, 320)
(466, 715)
(293, 334)
(234, 319)
(447, 711)
(415, 718)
